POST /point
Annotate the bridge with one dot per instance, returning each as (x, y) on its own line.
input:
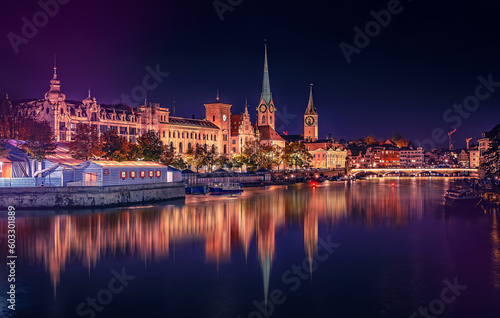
(417, 172)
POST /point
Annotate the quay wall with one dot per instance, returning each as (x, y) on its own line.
(88, 197)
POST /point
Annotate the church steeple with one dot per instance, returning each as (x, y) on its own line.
(266, 107)
(311, 119)
(311, 110)
(266, 86)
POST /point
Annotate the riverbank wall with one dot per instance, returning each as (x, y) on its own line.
(31, 198)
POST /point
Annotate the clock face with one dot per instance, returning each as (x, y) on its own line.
(271, 108)
(224, 117)
(262, 108)
(309, 120)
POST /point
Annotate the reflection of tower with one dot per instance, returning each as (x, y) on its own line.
(311, 235)
(218, 240)
(265, 243)
(246, 229)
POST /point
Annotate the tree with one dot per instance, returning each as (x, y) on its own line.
(296, 155)
(150, 146)
(491, 161)
(3, 151)
(178, 162)
(223, 162)
(257, 155)
(238, 161)
(39, 140)
(277, 155)
(87, 144)
(114, 147)
(168, 155)
(370, 140)
(399, 140)
(14, 120)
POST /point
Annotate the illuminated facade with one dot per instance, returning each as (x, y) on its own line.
(220, 129)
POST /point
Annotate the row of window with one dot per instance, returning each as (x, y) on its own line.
(192, 135)
(180, 149)
(119, 129)
(62, 137)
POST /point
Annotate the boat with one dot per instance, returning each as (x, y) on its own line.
(225, 188)
(196, 190)
(461, 198)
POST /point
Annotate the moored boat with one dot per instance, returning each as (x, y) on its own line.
(225, 188)
(461, 198)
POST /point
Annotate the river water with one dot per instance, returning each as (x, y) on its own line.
(376, 248)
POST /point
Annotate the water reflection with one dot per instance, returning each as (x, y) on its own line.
(225, 224)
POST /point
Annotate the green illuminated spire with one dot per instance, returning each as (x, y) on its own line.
(266, 87)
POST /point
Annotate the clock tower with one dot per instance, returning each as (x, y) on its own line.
(266, 110)
(220, 114)
(311, 120)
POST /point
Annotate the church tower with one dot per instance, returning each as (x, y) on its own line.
(219, 113)
(311, 120)
(266, 108)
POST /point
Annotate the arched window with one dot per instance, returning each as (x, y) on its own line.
(270, 119)
(171, 145)
(197, 145)
(191, 135)
(211, 137)
(189, 146)
(169, 134)
(180, 147)
(225, 149)
(164, 134)
(213, 118)
(263, 119)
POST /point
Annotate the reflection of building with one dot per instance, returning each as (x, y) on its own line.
(223, 227)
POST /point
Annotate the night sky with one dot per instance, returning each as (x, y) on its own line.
(428, 58)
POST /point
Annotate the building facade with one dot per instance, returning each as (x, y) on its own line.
(409, 157)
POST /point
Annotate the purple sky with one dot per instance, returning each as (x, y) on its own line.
(427, 58)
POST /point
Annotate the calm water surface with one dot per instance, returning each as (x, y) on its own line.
(367, 249)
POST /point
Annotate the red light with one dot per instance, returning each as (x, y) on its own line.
(314, 184)
(393, 184)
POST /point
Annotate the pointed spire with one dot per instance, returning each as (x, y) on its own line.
(246, 105)
(217, 98)
(266, 86)
(311, 110)
(55, 67)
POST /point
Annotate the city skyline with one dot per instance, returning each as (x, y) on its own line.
(407, 74)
